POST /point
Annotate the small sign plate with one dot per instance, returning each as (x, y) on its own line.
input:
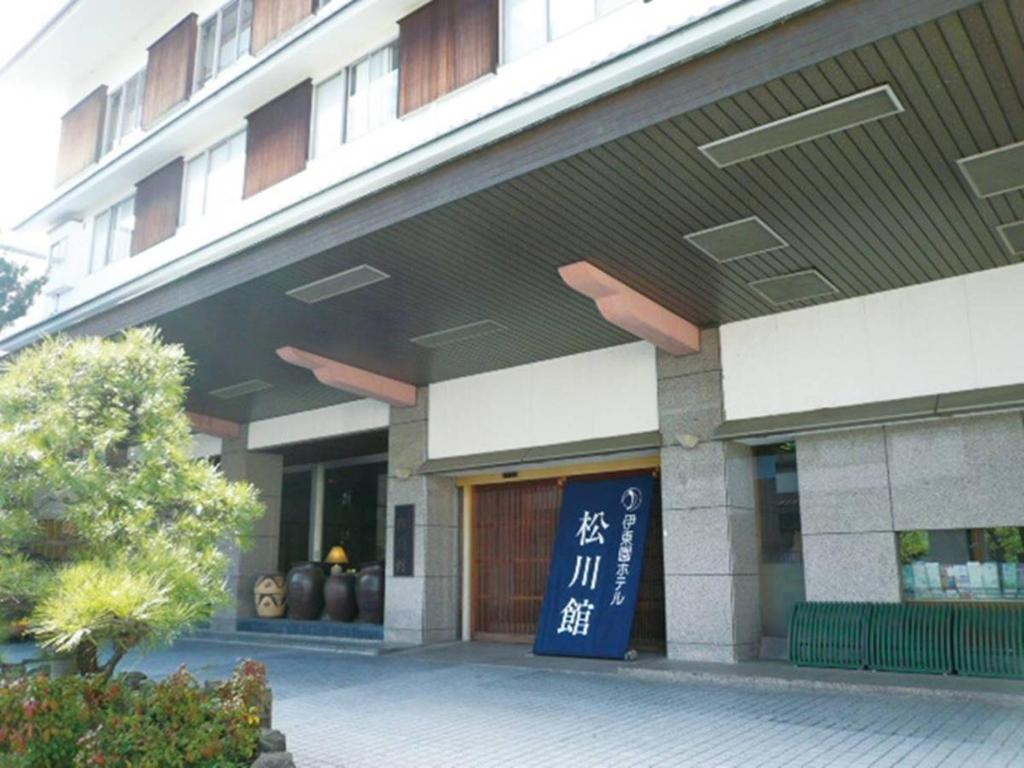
(405, 541)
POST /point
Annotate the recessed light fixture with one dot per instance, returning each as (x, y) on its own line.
(797, 286)
(1013, 236)
(736, 240)
(457, 334)
(996, 171)
(808, 125)
(335, 285)
(241, 389)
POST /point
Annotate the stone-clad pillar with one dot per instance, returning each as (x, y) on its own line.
(265, 471)
(424, 607)
(846, 517)
(712, 591)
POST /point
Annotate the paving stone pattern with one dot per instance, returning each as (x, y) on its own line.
(427, 708)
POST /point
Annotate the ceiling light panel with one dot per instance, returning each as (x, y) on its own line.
(996, 171)
(736, 240)
(1013, 236)
(458, 334)
(798, 286)
(808, 125)
(241, 389)
(335, 285)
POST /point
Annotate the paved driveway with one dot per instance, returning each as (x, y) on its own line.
(496, 707)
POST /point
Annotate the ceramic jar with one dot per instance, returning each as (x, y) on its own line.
(340, 596)
(305, 592)
(370, 593)
(270, 594)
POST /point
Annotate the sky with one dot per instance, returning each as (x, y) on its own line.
(28, 139)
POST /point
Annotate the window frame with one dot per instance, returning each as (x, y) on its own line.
(314, 119)
(111, 212)
(114, 135)
(504, 27)
(345, 73)
(350, 69)
(215, 64)
(184, 219)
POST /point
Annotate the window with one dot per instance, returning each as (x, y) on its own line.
(529, 24)
(112, 234)
(963, 564)
(372, 92)
(223, 39)
(214, 178)
(124, 110)
(356, 101)
(329, 115)
(341, 502)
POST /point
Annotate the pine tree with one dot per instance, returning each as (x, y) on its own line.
(93, 432)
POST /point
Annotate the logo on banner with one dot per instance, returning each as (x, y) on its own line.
(632, 498)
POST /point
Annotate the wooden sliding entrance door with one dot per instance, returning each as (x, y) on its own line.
(513, 535)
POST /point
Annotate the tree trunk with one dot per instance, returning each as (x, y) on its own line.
(119, 651)
(87, 658)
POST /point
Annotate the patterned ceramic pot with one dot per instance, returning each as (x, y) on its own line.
(271, 595)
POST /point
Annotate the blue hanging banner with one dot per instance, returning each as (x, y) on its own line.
(595, 568)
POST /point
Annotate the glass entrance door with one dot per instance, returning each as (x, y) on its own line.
(354, 509)
(333, 503)
(782, 561)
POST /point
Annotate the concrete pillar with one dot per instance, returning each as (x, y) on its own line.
(424, 607)
(712, 598)
(265, 471)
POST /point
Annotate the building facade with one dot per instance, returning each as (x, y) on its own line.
(451, 255)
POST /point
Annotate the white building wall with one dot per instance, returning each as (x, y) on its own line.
(950, 335)
(205, 446)
(343, 419)
(604, 393)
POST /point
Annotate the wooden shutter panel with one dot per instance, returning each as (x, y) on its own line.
(277, 142)
(416, 60)
(475, 39)
(81, 134)
(157, 203)
(169, 70)
(272, 18)
(443, 46)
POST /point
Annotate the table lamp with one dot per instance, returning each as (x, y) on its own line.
(338, 558)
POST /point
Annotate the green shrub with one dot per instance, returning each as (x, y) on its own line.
(41, 719)
(89, 721)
